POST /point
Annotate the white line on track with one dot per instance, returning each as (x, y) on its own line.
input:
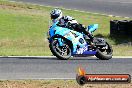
(55, 57)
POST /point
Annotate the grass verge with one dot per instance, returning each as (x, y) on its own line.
(23, 29)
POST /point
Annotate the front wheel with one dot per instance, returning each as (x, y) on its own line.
(61, 52)
(104, 53)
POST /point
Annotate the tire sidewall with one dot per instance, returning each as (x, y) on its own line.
(58, 55)
(103, 56)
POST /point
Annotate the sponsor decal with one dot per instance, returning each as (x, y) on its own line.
(81, 50)
(83, 78)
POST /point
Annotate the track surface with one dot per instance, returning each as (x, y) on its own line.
(114, 7)
(51, 68)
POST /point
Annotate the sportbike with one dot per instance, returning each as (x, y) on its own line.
(65, 43)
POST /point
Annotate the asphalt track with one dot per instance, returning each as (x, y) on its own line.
(109, 7)
(52, 68)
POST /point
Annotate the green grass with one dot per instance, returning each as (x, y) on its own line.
(23, 29)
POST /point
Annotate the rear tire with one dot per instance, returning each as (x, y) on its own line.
(103, 56)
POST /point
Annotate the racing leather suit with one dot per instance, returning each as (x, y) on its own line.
(71, 23)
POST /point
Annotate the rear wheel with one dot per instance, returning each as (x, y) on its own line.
(61, 52)
(104, 53)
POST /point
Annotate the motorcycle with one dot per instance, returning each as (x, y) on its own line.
(65, 43)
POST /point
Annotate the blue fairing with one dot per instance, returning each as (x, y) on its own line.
(76, 38)
(92, 28)
(58, 30)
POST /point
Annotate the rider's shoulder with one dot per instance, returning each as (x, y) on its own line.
(68, 18)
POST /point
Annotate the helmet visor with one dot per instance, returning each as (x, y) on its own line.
(54, 16)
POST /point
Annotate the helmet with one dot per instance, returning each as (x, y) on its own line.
(56, 13)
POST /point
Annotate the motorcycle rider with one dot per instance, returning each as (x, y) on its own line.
(68, 22)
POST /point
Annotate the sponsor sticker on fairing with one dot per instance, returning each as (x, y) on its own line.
(81, 50)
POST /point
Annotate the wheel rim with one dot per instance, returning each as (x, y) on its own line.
(63, 51)
(107, 49)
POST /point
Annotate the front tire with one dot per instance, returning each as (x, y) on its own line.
(103, 56)
(59, 53)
